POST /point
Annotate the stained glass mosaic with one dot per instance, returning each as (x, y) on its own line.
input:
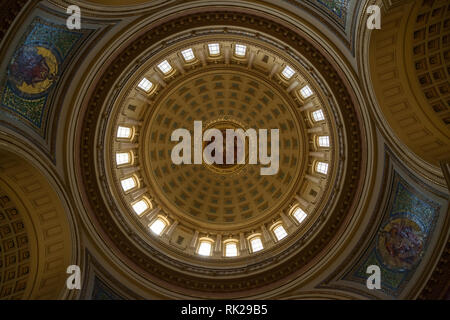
(401, 240)
(35, 69)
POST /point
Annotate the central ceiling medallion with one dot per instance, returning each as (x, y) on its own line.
(222, 125)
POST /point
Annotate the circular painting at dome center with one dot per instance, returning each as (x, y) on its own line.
(239, 146)
(222, 195)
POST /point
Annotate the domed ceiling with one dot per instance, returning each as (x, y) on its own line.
(177, 209)
(216, 194)
(105, 156)
(221, 202)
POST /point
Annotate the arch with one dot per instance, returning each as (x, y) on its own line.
(42, 240)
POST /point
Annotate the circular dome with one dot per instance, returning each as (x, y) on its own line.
(217, 196)
(183, 220)
(187, 205)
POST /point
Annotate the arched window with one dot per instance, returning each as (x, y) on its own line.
(204, 249)
(280, 232)
(123, 158)
(158, 226)
(140, 207)
(256, 244)
(128, 184)
(231, 249)
(299, 215)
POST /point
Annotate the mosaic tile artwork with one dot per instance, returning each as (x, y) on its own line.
(339, 15)
(35, 69)
(338, 11)
(337, 8)
(401, 240)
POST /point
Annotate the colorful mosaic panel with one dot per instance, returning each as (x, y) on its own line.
(338, 15)
(34, 70)
(401, 239)
(337, 8)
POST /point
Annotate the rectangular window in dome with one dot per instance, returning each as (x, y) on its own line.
(128, 184)
(165, 67)
(240, 50)
(122, 158)
(322, 167)
(124, 132)
(318, 115)
(188, 54)
(324, 141)
(158, 226)
(214, 49)
(256, 244)
(204, 248)
(288, 72)
(145, 85)
(280, 232)
(306, 92)
(140, 207)
(231, 249)
(299, 215)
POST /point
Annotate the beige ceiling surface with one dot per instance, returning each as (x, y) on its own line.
(217, 195)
